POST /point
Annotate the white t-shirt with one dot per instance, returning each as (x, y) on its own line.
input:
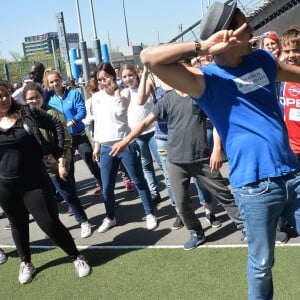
(136, 112)
(110, 113)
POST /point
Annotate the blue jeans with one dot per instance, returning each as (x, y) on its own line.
(147, 146)
(68, 192)
(162, 150)
(261, 204)
(203, 195)
(109, 166)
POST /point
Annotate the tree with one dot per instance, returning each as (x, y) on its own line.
(15, 55)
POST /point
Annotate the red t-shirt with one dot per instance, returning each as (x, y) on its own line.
(291, 103)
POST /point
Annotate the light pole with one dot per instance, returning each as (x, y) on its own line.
(54, 55)
(125, 23)
(97, 49)
(82, 48)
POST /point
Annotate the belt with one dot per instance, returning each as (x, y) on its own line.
(286, 177)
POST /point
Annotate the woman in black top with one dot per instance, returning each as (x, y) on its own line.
(24, 183)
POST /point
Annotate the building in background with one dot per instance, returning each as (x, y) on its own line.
(47, 43)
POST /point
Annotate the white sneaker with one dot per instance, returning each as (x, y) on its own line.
(81, 266)
(86, 229)
(107, 224)
(151, 222)
(26, 272)
(3, 257)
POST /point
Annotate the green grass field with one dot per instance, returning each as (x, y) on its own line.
(148, 274)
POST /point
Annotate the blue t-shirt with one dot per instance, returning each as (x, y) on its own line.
(241, 102)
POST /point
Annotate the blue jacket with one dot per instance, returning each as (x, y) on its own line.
(72, 106)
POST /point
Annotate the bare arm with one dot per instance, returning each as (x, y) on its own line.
(146, 86)
(163, 60)
(287, 72)
(140, 127)
(216, 155)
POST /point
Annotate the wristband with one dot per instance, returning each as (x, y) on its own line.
(197, 48)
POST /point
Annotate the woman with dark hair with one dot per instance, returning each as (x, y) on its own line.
(59, 170)
(24, 183)
(111, 125)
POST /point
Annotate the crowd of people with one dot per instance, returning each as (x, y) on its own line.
(173, 112)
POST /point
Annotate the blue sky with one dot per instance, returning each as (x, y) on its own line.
(148, 21)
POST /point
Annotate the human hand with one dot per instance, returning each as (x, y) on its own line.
(118, 148)
(225, 39)
(62, 172)
(216, 161)
(49, 158)
(95, 156)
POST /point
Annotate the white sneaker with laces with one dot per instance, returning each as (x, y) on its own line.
(107, 224)
(86, 229)
(81, 266)
(151, 222)
(26, 272)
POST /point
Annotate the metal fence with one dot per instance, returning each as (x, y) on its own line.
(14, 71)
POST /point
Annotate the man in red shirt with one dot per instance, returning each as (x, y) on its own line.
(290, 91)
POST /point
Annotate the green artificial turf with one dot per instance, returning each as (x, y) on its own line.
(148, 274)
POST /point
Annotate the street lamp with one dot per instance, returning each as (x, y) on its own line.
(125, 23)
(82, 47)
(97, 49)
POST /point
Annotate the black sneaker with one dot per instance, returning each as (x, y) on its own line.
(177, 223)
(195, 241)
(156, 198)
(212, 220)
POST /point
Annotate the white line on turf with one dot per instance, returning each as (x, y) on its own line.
(150, 247)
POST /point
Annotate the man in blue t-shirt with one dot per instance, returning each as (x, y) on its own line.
(238, 94)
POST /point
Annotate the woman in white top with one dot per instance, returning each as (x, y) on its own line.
(111, 125)
(146, 140)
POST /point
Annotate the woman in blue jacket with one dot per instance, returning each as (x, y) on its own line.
(71, 104)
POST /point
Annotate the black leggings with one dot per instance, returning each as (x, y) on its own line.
(37, 198)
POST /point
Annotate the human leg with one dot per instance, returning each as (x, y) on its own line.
(67, 190)
(147, 161)
(82, 143)
(291, 212)
(261, 205)
(126, 179)
(206, 201)
(109, 169)
(216, 186)
(162, 150)
(12, 203)
(133, 166)
(39, 200)
(180, 181)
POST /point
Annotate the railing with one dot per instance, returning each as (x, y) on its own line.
(252, 9)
